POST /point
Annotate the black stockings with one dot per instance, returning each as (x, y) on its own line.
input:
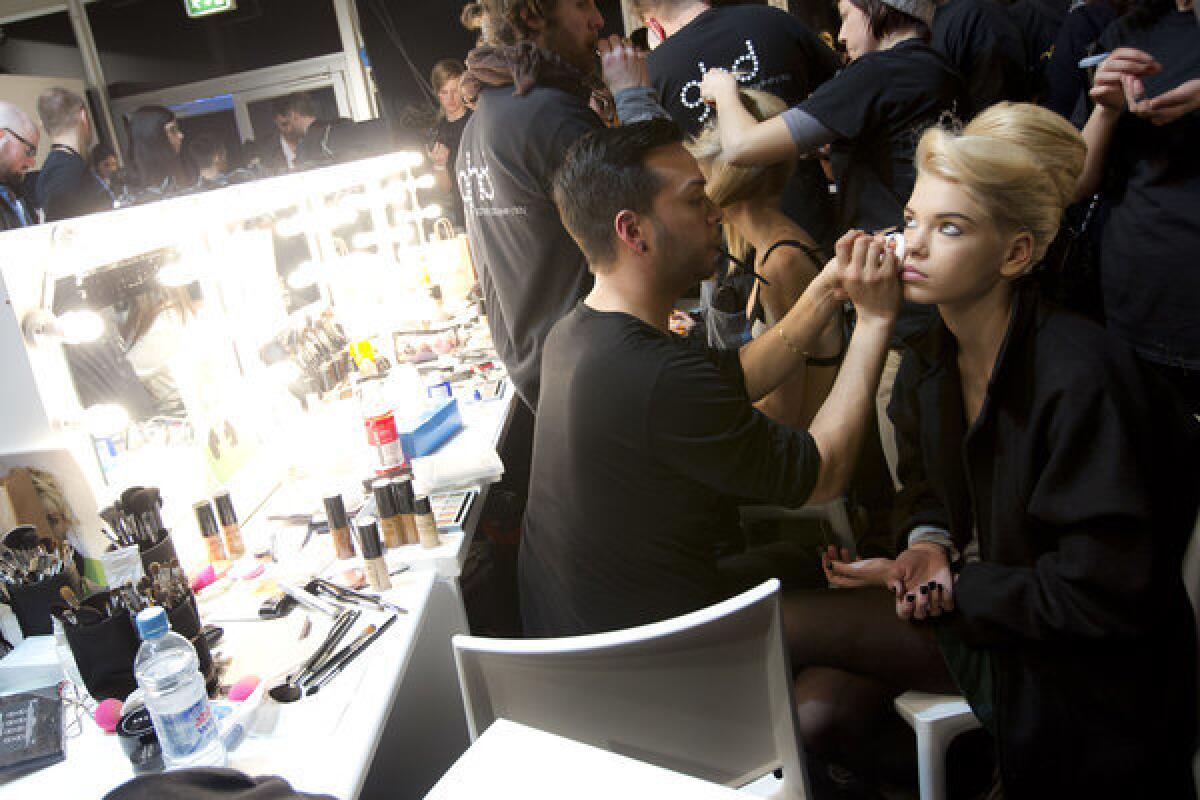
(852, 656)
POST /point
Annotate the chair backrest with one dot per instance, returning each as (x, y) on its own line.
(707, 694)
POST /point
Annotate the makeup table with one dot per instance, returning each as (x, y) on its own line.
(387, 727)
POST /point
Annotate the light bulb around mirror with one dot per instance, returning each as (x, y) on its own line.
(80, 327)
(177, 273)
(303, 276)
(425, 181)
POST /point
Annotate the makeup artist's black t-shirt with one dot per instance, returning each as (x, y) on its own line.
(1149, 268)
(879, 106)
(772, 51)
(639, 435)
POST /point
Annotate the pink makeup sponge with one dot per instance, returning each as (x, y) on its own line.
(108, 714)
(243, 688)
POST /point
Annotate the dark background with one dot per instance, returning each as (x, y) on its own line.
(262, 33)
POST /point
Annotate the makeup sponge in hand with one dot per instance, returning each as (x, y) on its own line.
(107, 714)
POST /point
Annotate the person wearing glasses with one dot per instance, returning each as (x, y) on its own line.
(18, 155)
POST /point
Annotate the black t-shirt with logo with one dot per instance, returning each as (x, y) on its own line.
(769, 50)
(878, 107)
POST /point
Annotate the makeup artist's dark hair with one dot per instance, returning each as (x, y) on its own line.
(885, 19)
(605, 173)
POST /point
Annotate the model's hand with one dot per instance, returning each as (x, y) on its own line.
(1108, 88)
(869, 275)
(622, 66)
(717, 86)
(843, 573)
(1170, 106)
(440, 155)
(928, 584)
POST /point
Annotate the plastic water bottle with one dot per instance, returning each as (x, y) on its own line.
(168, 672)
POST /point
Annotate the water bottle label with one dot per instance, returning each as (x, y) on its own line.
(188, 731)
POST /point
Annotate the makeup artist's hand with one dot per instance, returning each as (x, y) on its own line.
(867, 272)
(621, 65)
(1170, 106)
(1108, 88)
(717, 86)
(928, 584)
(843, 573)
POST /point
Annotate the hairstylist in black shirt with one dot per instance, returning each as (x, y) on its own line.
(871, 115)
(640, 432)
(1142, 152)
(767, 49)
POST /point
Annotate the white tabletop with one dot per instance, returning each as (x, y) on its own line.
(514, 760)
(321, 744)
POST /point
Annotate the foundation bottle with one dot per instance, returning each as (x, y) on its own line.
(339, 526)
(372, 549)
(426, 524)
(389, 516)
(209, 530)
(406, 502)
(229, 525)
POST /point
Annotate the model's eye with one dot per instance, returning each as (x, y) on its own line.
(949, 229)
(909, 224)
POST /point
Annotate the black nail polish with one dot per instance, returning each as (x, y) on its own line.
(912, 598)
(932, 585)
(924, 590)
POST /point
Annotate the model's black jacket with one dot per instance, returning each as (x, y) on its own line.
(1081, 477)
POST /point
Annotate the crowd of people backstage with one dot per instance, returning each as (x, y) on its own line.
(78, 178)
(1046, 466)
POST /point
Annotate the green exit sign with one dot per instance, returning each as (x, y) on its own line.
(202, 8)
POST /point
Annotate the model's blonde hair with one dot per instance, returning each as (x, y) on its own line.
(728, 184)
(1020, 162)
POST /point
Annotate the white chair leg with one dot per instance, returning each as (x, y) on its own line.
(838, 514)
(931, 763)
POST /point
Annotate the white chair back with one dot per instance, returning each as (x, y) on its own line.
(707, 694)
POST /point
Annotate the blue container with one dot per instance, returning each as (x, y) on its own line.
(424, 434)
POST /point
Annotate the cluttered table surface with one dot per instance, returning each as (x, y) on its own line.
(400, 698)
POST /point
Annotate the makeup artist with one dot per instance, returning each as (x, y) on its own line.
(639, 432)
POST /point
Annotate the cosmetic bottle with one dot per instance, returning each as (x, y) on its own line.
(229, 525)
(372, 551)
(339, 526)
(389, 515)
(209, 530)
(426, 524)
(406, 503)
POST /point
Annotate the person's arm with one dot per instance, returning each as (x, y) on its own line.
(744, 140)
(796, 401)
(867, 272)
(1113, 80)
(624, 71)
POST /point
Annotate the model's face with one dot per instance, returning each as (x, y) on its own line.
(450, 98)
(174, 135)
(18, 152)
(953, 252)
(855, 33)
(685, 232)
(571, 31)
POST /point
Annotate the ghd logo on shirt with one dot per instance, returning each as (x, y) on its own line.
(745, 68)
(475, 185)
